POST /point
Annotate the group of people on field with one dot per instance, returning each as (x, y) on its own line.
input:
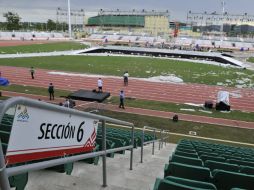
(121, 95)
(99, 84)
(50, 87)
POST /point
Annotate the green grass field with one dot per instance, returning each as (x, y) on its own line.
(171, 107)
(251, 59)
(33, 90)
(35, 48)
(183, 127)
(140, 67)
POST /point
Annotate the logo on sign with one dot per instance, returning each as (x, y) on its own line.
(23, 116)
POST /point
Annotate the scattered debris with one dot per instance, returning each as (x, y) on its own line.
(193, 133)
(225, 111)
(195, 105)
(169, 78)
(182, 109)
(205, 111)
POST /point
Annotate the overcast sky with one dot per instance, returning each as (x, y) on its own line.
(41, 10)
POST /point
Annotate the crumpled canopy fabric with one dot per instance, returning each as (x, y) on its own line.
(4, 82)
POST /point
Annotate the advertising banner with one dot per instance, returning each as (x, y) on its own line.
(39, 134)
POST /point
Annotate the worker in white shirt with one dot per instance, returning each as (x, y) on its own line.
(66, 103)
(100, 83)
(125, 78)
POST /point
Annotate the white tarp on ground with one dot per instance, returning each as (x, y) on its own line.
(223, 96)
(166, 79)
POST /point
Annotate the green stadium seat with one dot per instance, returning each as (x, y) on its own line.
(175, 183)
(94, 160)
(185, 146)
(212, 165)
(109, 145)
(240, 162)
(19, 181)
(187, 171)
(248, 159)
(227, 180)
(200, 153)
(231, 157)
(181, 153)
(186, 150)
(204, 149)
(5, 127)
(247, 170)
(186, 160)
(63, 168)
(4, 136)
(216, 158)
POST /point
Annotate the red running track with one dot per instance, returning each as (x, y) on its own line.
(166, 92)
(81, 105)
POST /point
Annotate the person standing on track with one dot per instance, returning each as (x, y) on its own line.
(125, 78)
(100, 84)
(122, 97)
(32, 71)
(51, 91)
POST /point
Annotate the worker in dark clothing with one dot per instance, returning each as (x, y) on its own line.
(122, 97)
(32, 71)
(51, 91)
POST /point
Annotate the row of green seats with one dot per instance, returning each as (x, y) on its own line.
(198, 164)
(176, 183)
(121, 133)
(242, 163)
(214, 157)
(220, 148)
(219, 155)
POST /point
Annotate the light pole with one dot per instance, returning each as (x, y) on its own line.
(69, 18)
(223, 14)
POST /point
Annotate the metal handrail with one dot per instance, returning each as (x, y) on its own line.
(153, 141)
(5, 172)
(59, 161)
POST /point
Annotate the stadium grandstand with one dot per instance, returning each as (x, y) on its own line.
(16, 35)
(147, 22)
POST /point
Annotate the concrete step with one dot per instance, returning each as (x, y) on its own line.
(119, 175)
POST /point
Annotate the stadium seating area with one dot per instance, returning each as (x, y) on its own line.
(180, 41)
(203, 165)
(31, 36)
(115, 138)
(121, 38)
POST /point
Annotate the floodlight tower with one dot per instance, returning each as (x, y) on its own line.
(69, 17)
(223, 3)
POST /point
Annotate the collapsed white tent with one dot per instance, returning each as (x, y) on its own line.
(223, 96)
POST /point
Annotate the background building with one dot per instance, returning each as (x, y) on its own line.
(142, 22)
(231, 24)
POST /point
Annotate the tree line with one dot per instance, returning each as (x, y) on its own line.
(13, 22)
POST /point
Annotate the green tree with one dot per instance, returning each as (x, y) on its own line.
(51, 25)
(13, 21)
